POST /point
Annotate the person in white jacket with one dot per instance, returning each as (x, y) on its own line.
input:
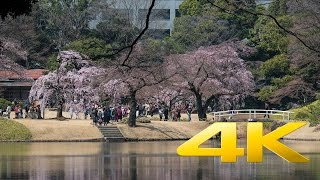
(8, 110)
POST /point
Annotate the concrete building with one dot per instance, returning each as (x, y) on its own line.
(163, 13)
(162, 17)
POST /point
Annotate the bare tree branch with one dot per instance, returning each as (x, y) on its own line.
(131, 46)
(261, 14)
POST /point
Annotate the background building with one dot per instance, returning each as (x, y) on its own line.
(162, 17)
(16, 85)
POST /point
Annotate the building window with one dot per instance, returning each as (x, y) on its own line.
(178, 14)
(156, 15)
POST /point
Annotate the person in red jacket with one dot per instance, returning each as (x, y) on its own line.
(16, 110)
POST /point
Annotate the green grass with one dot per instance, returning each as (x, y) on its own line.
(13, 131)
(309, 113)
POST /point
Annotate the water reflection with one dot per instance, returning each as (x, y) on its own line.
(143, 160)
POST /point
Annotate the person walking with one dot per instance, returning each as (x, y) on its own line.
(119, 113)
(267, 107)
(71, 112)
(178, 114)
(94, 116)
(100, 118)
(160, 113)
(106, 116)
(20, 111)
(86, 112)
(151, 110)
(16, 111)
(8, 110)
(166, 114)
(38, 110)
(189, 111)
(26, 109)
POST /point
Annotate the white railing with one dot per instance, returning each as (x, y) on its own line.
(252, 113)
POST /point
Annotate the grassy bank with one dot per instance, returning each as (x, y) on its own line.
(54, 130)
(13, 131)
(309, 113)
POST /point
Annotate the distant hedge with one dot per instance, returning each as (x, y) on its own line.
(13, 131)
(309, 113)
(4, 103)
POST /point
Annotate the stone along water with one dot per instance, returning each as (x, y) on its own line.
(144, 160)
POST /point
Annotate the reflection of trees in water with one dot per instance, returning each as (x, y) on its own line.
(123, 161)
(20, 161)
(133, 166)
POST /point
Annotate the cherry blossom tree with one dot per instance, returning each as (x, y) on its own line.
(142, 71)
(211, 73)
(72, 84)
(166, 95)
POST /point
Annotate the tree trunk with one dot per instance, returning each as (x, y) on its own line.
(133, 106)
(201, 110)
(59, 111)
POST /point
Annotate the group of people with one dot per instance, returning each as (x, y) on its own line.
(103, 116)
(176, 113)
(22, 110)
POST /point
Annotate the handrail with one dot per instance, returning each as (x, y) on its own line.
(253, 113)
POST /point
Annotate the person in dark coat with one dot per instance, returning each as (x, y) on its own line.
(267, 107)
(38, 110)
(166, 114)
(178, 114)
(106, 116)
(94, 116)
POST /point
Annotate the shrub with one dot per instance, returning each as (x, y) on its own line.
(4, 103)
(13, 131)
(277, 67)
(143, 119)
(281, 82)
(309, 113)
(92, 47)
(266, 92)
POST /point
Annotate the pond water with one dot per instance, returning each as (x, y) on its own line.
(144, 160)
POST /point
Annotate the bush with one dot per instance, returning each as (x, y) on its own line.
(265, 93)
(4, 103)
(13, 131)
(143, 119)
(281, 82)
(309, 113)
(267, 125)
(52, 63)
(276, 67)
(92, 47)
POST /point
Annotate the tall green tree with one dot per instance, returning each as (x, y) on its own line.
(63, 21)
(202, 24)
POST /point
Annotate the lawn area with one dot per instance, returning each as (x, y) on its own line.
(13, 131)
(54, 130)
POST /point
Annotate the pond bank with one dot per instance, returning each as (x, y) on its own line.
(62, 131)
(306, 133)
(84, 131)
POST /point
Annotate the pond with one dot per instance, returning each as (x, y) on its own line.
(144, 160)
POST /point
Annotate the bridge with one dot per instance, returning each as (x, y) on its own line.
(252, 115)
